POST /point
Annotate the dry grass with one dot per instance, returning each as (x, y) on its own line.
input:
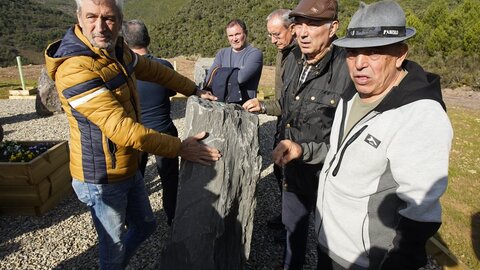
(10, 78)
(461, 202)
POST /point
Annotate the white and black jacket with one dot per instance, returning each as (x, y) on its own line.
(378, 196)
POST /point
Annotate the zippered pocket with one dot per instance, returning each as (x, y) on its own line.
(112, 149)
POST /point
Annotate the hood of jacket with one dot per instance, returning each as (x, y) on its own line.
(417, 85)
(74, 43)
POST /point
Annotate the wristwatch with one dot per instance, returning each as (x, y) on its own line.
(262, 107)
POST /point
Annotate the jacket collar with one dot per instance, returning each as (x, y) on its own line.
(417, 85)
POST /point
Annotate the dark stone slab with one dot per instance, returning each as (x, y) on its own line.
(215, 205)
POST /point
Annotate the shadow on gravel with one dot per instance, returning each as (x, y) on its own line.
(14, 226)
(265, 253)
(19, 118)
(87, 260)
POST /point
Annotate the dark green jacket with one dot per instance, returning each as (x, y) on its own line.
(308, 110)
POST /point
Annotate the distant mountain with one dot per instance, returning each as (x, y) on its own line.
(152, 11)
(448, 31)
(27, 26)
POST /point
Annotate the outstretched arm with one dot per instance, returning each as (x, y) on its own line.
(309, 153)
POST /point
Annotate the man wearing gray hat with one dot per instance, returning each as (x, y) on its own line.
(313, 79)
(387, 165)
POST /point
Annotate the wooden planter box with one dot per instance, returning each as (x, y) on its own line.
(35, 187)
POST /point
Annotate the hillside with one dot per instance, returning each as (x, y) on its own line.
(448, 32)
(447, 40)
(152, 12)
(27, 26)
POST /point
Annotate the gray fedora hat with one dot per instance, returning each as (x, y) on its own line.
(378, 24)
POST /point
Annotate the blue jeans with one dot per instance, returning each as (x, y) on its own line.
(122, 216)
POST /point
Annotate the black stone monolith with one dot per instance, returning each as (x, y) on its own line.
(215, 206)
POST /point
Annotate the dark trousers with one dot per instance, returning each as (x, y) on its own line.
(278, 172)
(324, 262)
(296, 209)
(168, 170)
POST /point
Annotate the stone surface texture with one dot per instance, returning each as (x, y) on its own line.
(215, 205)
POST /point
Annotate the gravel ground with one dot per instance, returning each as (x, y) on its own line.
(64, 238)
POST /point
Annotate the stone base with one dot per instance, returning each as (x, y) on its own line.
(22, 97)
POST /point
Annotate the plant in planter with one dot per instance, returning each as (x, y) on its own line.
(34, 176)
(12, 151)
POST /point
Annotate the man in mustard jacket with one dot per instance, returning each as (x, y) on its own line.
(95, 75)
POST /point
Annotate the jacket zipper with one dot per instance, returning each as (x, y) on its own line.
(350, 141)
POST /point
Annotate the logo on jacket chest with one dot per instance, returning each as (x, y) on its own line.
(372, 141)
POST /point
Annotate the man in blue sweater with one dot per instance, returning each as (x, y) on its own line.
(241, 55)
(155, 112)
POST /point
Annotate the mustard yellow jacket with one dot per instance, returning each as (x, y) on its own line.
(99, 96)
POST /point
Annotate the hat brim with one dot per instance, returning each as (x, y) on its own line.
(346, 42)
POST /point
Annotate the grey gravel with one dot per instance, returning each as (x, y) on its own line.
(64, 238)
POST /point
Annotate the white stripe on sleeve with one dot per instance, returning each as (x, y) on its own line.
(87, 98)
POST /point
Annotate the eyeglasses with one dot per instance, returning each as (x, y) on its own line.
(274, 35)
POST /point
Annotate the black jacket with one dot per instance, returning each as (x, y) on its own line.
(308, 110)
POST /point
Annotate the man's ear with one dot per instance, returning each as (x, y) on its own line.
(402, 55)
(291, 29)
(79, 17)
(333, 29)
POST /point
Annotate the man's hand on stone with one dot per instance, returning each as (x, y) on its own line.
(252, 105)
(194, 150)
(285, 152)
(205, 94)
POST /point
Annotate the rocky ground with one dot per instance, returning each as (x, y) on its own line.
(65, 238)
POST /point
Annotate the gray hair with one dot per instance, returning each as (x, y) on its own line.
(135, 33)
(118, 3)
(282, 14)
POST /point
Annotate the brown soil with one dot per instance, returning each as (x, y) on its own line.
(459, 97)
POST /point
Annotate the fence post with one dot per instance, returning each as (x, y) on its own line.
(19, 63)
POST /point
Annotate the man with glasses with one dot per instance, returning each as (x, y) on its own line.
(314, 78)
(282, 35)
(387, 166)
